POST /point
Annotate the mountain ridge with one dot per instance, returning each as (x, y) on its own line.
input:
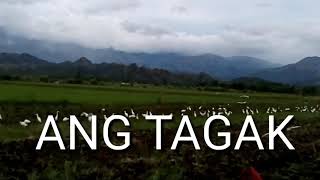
(217, 66)
(26, 65)
(303, 72)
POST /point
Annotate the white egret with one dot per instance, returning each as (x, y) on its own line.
(38, 118)
(132, 112)
(228, 113)
(65, 119)
(22, 123)
(132, 115)
(27, 121)
(242, 102)
(126, 114)
(57, 116)
(146, 114)
(90, 117)
(203, 113)
(84, 114)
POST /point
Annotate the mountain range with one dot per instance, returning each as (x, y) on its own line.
(304, 72)
(224, 68)
(26, 66)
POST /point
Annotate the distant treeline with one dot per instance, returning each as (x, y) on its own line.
(256, 84)
(201, 81)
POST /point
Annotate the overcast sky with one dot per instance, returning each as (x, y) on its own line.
(278, 30)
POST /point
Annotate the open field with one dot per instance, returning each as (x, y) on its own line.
(20, 100)
(140, 95)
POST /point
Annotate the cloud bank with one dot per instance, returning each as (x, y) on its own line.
(279, 30)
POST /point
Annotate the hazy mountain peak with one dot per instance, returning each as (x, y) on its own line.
(15, 58)
(83, 61)
(304, 72)
(310, 60)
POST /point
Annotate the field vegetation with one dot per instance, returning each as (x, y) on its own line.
(22, 100)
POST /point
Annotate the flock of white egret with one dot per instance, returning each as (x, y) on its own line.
(199, 111)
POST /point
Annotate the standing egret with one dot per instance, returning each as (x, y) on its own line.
(38, 118)
(268, 110)
(126, 114)
(57, 116)
(132, 112)
(132, 115)
(90, 117)
(105, 117)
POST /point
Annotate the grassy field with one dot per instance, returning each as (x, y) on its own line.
(21, 100)
(139, 95)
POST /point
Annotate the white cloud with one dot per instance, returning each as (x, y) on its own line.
(285, 31)
(179, 9)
